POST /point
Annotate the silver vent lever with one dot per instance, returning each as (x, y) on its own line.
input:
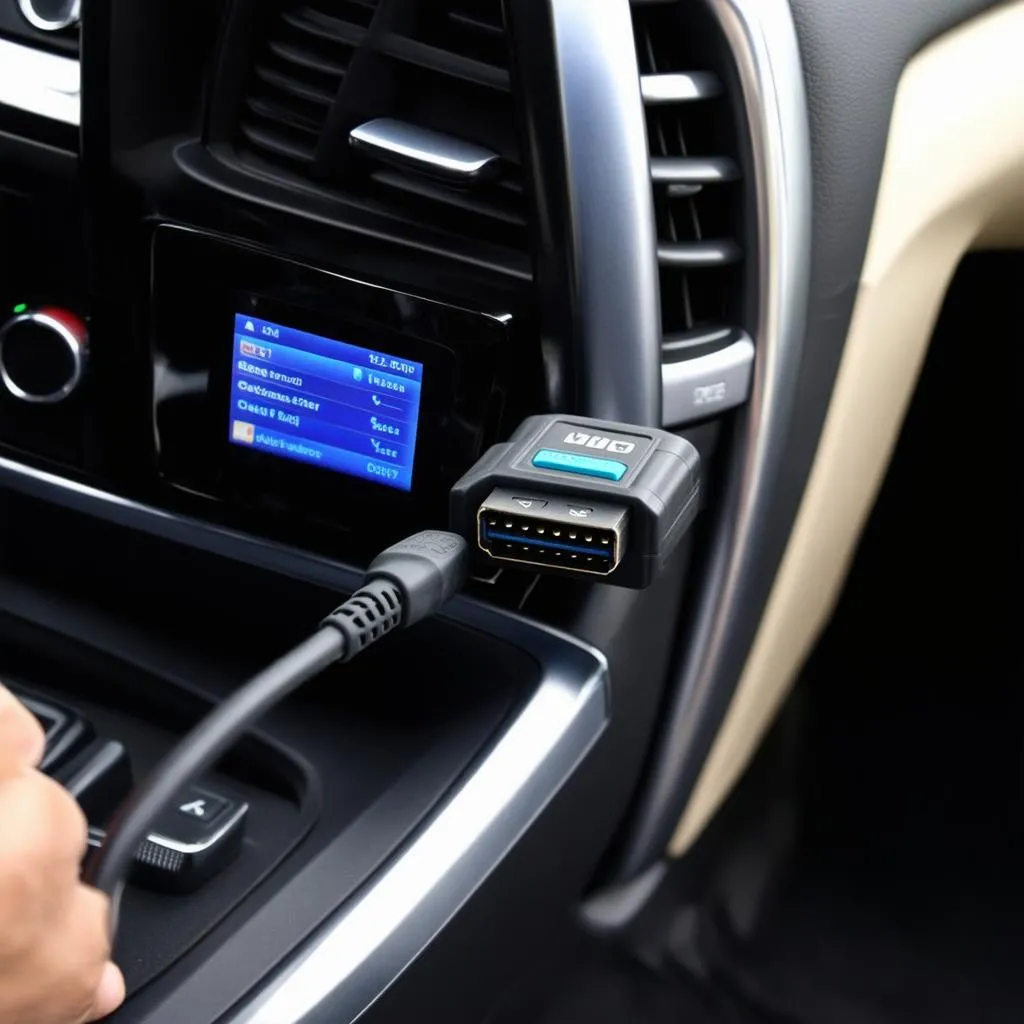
(434, 154)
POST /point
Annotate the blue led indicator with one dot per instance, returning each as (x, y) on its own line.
(584, 465)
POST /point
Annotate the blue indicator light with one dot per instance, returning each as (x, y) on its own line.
(584, 465)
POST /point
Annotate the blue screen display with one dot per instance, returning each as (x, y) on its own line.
(326, 403)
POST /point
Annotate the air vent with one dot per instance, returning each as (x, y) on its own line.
(696, 178)
(296, 78)
(383, 103)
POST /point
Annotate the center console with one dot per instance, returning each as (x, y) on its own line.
(309, 405)
(288, 400)
(239, 354)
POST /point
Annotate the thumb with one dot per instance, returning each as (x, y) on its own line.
(110, 993)
(21, 736)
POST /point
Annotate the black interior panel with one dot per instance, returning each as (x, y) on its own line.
(123, 591)
(347, 767)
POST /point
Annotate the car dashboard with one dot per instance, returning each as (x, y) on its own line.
(273, 276)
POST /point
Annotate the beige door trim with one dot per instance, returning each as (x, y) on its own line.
(953, 180)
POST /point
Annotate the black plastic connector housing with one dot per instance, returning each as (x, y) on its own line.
(552, 462)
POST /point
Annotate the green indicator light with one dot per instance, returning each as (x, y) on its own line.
(20, 308)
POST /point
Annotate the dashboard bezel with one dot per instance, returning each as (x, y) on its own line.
(199, 282)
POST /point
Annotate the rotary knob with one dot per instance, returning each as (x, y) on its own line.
(51, 15)
(43, 354)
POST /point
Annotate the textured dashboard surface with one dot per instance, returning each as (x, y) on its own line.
(854, 55)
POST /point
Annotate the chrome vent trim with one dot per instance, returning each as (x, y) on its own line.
(762, 38)
(610, 207)
(426, 152)
(690, 255)
(697, 211)
(692, 170)
(40, 83)
(679, 87)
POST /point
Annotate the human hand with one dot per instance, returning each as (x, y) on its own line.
(54, 931)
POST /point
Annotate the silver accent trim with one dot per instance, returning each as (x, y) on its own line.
(78, 347)
(706, 385)
(611, 909)
(40, 83)
(159, 839)
(763, 41)
(365, 945)
(714, 252)
(679, 87)
(425, 151)
(611, 209)
(98, 836)
(72, 15)
(692, 170)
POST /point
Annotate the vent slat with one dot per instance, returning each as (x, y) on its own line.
(679, 88)
(296, 87)
(274, 111)
(325, 26)
(445, 62)
(279, 145)
(307, 60)
(475, 23)
(690, 170)
(711, 253)
(467, 201)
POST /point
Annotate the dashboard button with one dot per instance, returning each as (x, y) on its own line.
(43, 354)
(51, 15)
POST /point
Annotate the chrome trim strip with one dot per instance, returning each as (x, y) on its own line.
(692, 170)
(169, 843)
(368, 945)
(71, 16)
(763, 41)
(714, 252)
(40, 82)
(611, 210)
(76, 345)
(679, 87)
(363, 948)
(425, 151)
(98, 836)
(707, 385)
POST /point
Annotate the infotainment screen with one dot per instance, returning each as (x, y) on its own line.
(324, 402)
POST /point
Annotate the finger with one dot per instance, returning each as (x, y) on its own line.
(21, 736)
(90, 925)
(42, 841)
(62, 976)
(109, 995)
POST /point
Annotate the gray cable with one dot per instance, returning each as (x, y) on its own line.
(407, 582)
(198, 751)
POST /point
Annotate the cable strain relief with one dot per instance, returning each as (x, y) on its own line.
(374, 610)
